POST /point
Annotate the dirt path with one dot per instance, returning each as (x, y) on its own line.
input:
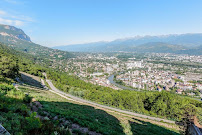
(197, 123)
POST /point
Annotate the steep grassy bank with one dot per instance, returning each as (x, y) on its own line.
(17, 117)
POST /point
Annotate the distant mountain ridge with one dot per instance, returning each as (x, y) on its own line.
(181, 43)
(18, 40)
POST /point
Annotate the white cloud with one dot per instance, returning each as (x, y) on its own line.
(2, 12)
(5, 21)
(11, 22)
(11, 1)
(18, 23)
(23, 17)
(14, 18)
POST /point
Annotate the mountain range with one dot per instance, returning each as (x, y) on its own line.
(181, 43)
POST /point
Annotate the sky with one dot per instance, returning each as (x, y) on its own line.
(63, 22)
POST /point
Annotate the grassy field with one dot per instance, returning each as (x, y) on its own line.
(102, 121)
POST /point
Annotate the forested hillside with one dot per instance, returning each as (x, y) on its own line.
(8, 63)
(15, 113)
(12, 60)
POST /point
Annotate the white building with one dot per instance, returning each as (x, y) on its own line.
(136, 73)
(134, 64)
(96, 74)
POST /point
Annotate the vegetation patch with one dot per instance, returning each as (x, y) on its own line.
(16, 115)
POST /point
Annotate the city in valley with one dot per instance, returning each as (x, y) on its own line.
(100, 67)
(177, 73)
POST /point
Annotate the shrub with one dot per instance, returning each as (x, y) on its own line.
(27, 99)
(33, 123)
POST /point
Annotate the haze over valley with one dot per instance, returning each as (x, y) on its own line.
(183, 43)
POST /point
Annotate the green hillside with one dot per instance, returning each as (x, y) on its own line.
(18, 40)
(12, 59)
(16, 116)
(15, 112)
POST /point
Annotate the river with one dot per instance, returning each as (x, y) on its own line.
(111, 80)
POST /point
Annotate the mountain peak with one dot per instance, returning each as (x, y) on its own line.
(11, 32)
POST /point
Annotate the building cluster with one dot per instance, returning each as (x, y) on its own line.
(158, 80)
(176, 57)
(142, 74)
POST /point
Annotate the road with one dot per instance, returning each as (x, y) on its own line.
(3, 131)
(103, 106)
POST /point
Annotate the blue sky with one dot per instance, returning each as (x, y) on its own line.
(63, 22)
